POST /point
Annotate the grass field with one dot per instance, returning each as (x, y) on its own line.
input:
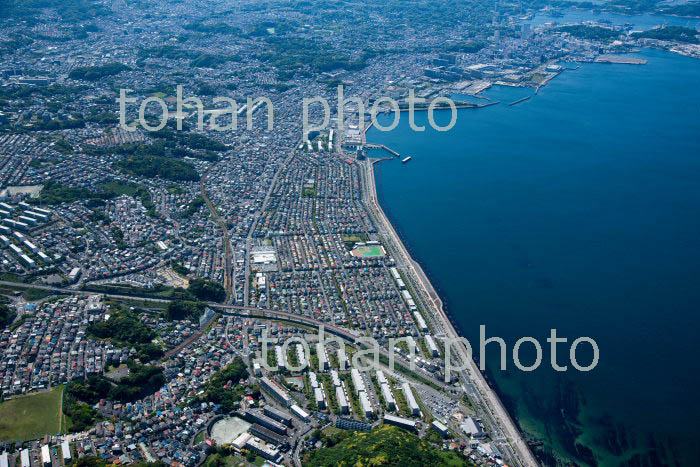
(368, 251)
(31, 417)
(355, 238)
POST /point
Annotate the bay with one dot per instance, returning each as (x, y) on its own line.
(576, 210)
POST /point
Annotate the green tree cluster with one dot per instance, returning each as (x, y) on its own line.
(126, 329)
(152, 166)
(582, 31)
(384, 446)
(141, 381)
(670, 33)
(91, 390)
(224, 388)
(6, 316)
(184, 309)
(207, 290)
(82, 416)
(94, 73)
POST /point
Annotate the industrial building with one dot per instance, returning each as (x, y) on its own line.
(470, 427)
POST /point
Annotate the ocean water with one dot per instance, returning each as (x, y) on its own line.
(638, 22)
(578, 210)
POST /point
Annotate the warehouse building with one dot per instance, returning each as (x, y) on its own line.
(45, 455)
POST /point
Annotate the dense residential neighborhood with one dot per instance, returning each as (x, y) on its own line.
(161, 289)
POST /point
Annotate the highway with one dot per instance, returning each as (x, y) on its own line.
(248, 312)
(505, 432)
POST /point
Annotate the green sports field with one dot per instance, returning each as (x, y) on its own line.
(31, 417)
(368, 251)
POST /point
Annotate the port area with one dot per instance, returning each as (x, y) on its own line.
(620, 59)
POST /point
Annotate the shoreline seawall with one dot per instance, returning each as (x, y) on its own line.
(489, 399)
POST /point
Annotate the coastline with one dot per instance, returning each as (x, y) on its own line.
(489, 398)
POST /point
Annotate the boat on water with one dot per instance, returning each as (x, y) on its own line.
(404, 160)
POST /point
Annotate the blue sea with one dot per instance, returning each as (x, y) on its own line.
(578, 209)
(637, 22)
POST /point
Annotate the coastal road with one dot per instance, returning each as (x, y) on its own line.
(491, 403)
